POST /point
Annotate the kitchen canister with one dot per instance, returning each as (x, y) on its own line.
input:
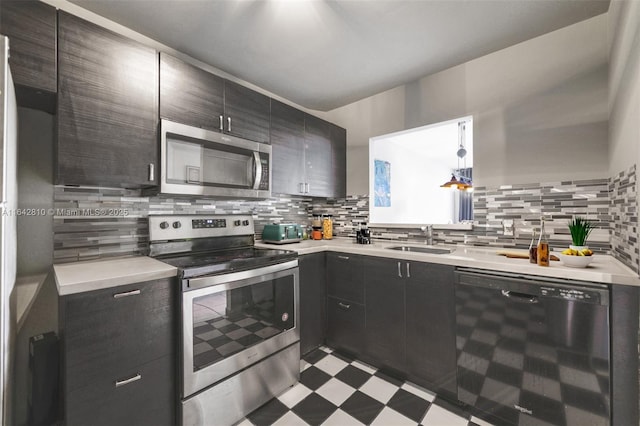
(327, 226)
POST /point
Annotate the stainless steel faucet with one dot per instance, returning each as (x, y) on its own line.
(428, 232)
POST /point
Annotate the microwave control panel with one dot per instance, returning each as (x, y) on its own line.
(264, 180)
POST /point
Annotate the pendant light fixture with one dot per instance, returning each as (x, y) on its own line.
(461, 183)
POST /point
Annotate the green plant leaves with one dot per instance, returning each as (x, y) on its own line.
(580, 229)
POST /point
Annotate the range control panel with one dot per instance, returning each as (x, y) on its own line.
(182, 227)
(208, 223)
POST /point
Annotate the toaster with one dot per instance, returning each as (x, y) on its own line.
(282, 233)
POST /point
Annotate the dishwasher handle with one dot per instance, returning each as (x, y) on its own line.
(523, 287)
(520, 297)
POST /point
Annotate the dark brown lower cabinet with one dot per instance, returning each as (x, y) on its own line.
(345, 325)
(385, 312)
(313, 313)
(430, 327)
(147, 397)
(118, 355)
(406, 323)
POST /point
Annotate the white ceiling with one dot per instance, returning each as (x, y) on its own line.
(323, 54)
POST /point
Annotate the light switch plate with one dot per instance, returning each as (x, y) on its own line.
(507, 227)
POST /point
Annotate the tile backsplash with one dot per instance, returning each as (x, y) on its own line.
(83, 228)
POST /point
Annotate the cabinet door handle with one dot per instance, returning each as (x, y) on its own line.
(228, 124)
(152, 172)
(408, 271)
(126, 293)
(399, 270)
(307, 188)
(129, 380)
(301, 188)
(344, 305)
(221, 123)
(343, 257)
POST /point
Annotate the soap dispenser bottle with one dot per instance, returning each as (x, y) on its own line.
(533, 249)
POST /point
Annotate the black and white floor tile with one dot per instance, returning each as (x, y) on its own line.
(335, 390)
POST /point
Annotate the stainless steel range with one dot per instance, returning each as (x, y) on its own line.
(240, 336)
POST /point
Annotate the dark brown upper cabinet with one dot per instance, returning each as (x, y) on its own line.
(309, 154)
(247, 113)
(318, 157)
(339, 161)
(31, 28)
(193, 96)
(190, 95)
(287, 143)
(107, 107)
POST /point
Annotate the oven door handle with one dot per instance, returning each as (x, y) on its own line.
(257, 170)
(235, 279)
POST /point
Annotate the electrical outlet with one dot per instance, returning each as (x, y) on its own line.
(508, 227)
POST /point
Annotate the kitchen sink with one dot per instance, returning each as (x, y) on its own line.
(429, 250)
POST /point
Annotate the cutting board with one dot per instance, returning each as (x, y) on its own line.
(520, 254)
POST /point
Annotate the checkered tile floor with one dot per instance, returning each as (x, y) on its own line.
(335, 390)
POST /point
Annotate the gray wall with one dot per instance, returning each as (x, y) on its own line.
(539, 109)
(624, 84)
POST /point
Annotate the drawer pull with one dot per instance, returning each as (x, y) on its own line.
(126, 293)
(129, 380)
(343, 257)
(344, 305)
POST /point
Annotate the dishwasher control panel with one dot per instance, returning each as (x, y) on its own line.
(581, 295)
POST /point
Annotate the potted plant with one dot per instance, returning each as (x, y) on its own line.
(580, 229)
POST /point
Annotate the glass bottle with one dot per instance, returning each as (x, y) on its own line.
(543, 246)
(327, 227)
(533, 249)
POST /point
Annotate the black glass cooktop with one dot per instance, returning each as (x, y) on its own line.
(225, 261)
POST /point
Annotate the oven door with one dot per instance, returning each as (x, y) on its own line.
(232, 321)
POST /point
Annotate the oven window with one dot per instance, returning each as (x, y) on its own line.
(229, 321)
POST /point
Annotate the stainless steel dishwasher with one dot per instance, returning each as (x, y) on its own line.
(531, 350)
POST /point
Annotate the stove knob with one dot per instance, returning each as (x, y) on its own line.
(176, 225)
(236, 223)
(245, 223)
(164, 225)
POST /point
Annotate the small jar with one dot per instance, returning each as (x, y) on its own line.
(316, 234)
(316, 222)
(327, 226)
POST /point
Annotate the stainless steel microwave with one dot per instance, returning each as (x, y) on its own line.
(196, 161)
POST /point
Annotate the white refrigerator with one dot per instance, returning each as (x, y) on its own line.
(8, 205)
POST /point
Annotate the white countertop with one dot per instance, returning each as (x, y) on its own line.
(78, 277)
(603, 268)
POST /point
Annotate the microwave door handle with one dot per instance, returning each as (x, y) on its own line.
(257, 167)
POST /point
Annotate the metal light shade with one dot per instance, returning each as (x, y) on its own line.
(461, 152)
(454, 183)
